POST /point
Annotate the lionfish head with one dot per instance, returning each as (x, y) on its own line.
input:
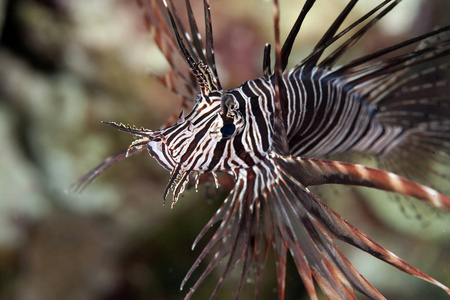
(210, 138)
(195, 143)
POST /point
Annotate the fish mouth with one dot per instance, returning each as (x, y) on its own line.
(178, 177)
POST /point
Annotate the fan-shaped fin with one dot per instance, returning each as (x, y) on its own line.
(271, 204)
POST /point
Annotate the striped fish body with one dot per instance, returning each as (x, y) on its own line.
(272, 132)
(324, 116)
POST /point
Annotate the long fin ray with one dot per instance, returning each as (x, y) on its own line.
(338, 36)
(81, 183)
(179, 79)
(319, 48)
(378, 54)
(328, 172)
(316, 172)
(295, 220)
(333, 57)
(287, 46)
(210, 55)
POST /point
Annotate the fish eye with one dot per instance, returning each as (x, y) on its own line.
(227, 130)
(231, 118)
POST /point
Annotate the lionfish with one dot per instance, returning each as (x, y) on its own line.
(272, 133)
